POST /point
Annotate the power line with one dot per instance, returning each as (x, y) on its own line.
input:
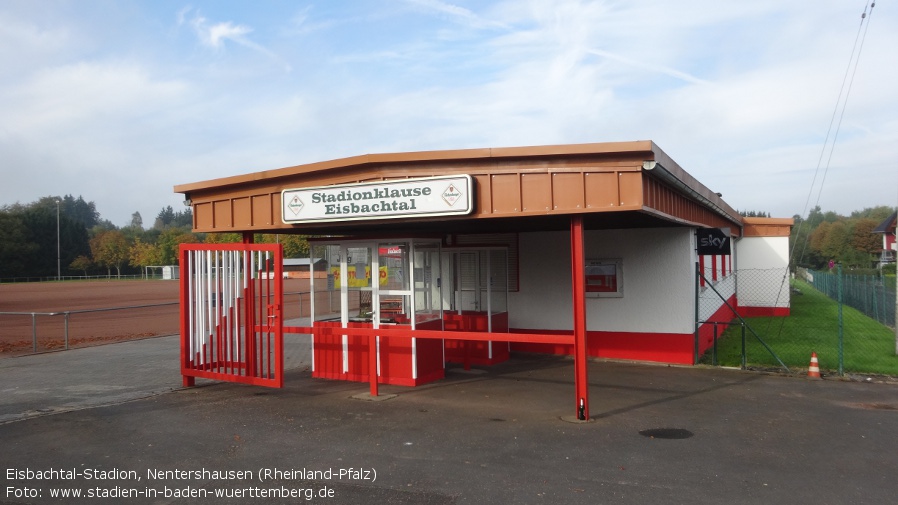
(848, 78)
(852, 70)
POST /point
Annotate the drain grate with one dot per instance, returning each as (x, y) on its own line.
(667, 433)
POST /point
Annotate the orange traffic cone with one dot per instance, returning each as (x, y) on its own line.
(814, 367)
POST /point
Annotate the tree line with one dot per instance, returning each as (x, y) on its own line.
(849, 240)
(66, 236)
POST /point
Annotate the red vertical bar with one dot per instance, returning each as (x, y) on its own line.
(701, 268)
(220, 322)
(279, 313)
(261, 316)
(262, 311)
(271, 314)
(249, 332)
(269, 311)
(269, 331)
(186, 274)
(713, 267)
(578, 282)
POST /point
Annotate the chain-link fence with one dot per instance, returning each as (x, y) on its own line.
(872, 295)
(847, 321)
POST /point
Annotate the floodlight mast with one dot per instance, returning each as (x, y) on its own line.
(58, 249)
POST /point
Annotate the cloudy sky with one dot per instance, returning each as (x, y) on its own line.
(118, 101)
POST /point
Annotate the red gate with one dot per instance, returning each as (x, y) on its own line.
(231, 303)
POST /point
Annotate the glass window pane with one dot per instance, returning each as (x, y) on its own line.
(498, 281)
(358, 267)
(393, 273)
(326, 285)
(428, 298)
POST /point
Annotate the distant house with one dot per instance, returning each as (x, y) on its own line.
(887, 228)
(298, 268)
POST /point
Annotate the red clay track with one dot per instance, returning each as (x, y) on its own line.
(85, 328)
(94, 327)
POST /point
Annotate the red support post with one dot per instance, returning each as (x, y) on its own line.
(578, 267)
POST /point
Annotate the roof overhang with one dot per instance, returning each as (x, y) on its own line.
(614, 184)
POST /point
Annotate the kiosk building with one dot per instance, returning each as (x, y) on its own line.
(606, 250)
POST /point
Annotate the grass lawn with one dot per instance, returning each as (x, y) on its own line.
(813, 326)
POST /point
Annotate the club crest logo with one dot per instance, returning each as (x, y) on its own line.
(295, 205)
(451, 195)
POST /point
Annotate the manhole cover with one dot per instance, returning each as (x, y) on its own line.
(667, 433)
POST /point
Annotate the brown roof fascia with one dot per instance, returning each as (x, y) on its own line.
(633, 147)
(768, 226)
(645, 150)
(692, 185)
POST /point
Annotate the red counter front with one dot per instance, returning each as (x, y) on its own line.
(405, 361)
(471, 352)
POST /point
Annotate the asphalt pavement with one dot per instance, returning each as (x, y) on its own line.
(113, 423)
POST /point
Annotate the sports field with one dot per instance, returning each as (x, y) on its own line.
(143, 308)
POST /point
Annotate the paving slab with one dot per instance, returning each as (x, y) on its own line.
(60, 381)
(658, 434)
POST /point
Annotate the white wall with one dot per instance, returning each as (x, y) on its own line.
(762, 264)
(762, 252)
(711, 297)
(658, 281)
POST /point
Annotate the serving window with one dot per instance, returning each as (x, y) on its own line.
(395, 282)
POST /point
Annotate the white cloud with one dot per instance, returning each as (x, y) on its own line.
(740, 94)
(215, 35)
(458, 14)
(67, 97)
(661, 69)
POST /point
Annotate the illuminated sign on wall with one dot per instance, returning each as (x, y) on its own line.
(422, 197)
(713, 241)
(604, 278)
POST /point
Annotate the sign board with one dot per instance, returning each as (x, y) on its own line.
(393, 251)
(355, 280)
(604, 278)
(713, 241)
(422, 197)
